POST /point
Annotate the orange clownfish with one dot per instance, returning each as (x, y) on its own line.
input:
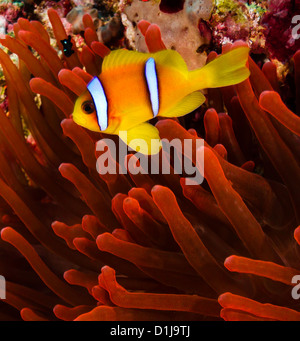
(135, 87)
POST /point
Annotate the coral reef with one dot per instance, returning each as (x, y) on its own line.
(279, 25)
(266, 26)
(74, 17)
(106, 21)
(111, 32)
(232, 20)
(178, 25)
(76, 245)
(10, 11)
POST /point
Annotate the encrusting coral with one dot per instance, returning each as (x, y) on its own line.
(142, 246)
(279, 24)
(178, 22)
(238, 19)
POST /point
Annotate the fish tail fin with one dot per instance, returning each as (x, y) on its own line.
(227, 69)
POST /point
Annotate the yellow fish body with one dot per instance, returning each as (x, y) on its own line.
(135, 87)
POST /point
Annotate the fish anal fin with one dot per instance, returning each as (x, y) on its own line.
(143, 138)
(188, 104)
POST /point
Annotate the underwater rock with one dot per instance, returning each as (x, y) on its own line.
(74, 17)
(108, 25)
(179, 30)
(112, 31)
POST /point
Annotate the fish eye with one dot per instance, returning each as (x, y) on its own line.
(88, 107)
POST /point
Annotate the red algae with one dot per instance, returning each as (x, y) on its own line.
(143, 247)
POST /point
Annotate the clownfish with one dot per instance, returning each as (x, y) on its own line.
(135, 87)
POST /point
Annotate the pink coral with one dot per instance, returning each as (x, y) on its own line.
(10, 13)
(278, 22)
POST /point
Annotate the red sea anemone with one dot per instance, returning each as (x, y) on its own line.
(141, 246)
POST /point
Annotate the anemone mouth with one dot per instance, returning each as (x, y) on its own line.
(171, 6)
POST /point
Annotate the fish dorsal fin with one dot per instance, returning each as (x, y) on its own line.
(170, 58)
(124, 57)
(186, 105)
(143, 138)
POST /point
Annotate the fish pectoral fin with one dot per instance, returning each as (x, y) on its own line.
(188, 104)
(143, 138)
